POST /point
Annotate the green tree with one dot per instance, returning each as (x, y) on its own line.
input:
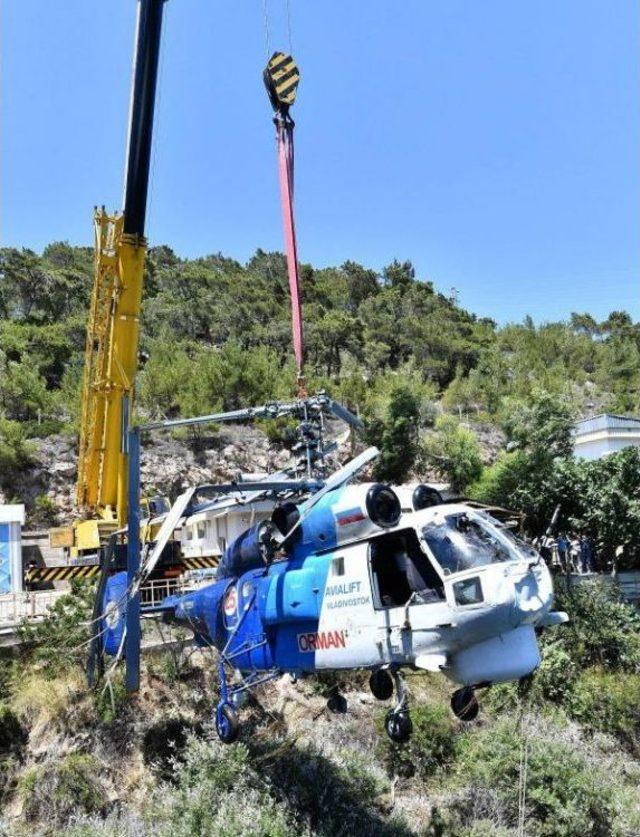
(453, 450)
(393, 428)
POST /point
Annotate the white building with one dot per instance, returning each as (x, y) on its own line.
(209, 532)
(11, 523)
(598, 436)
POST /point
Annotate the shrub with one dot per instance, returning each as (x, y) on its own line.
(557, 673)
(163, 744)
(58, 640)
(15, 451)
(609, 702)
(41, 701)
(393, 428)
(431, 746)
(12, 734)
(603, 630)
(565, 797)
(217, 792)
(45, 512)
(54, 792)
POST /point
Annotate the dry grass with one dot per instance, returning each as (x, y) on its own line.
(42, 703)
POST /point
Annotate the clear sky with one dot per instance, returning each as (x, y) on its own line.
(495, 143)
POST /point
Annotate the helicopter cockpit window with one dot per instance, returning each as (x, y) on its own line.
(400, 571)
(460, 542)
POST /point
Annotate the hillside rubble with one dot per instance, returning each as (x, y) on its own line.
(171, 462)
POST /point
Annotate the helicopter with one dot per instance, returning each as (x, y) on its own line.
(362, 575)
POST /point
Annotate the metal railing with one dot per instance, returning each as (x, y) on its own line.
(33, 605)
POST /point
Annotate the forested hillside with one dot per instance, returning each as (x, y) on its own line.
(425, 373)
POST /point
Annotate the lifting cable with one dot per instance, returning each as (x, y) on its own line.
(281, 77)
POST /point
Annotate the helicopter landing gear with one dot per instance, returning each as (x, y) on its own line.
(464, 704)
(381, 684)
(337, 703)
(227, 724)
(397, 722)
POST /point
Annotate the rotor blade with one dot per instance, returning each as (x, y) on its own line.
(346, 415)
(334, 481)
(166, 530)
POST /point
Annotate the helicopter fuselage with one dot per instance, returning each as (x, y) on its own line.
(426, 593)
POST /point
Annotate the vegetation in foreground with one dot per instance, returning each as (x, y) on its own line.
(562, 750)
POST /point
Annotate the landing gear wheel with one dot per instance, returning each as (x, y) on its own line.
(381, 684)
(227, 724)
(398, 725)
(464, 704)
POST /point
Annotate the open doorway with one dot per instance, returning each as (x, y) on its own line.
(400, 569)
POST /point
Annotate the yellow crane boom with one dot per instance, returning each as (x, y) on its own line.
(113, 327)
(111, 359)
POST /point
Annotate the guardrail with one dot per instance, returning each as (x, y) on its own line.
(33, 605)
(628, 582)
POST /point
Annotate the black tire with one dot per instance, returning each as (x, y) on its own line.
(464, 704)
(227, 724)
(381, 684)
(398, 725)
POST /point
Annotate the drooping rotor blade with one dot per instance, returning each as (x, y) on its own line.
(346, 415)
(166, 530)
(334, 481)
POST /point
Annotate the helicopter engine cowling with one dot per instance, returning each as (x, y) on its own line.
(417, 497)
(246, 552)
(348, 514)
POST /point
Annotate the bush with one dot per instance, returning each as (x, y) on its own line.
(12, 734)
(15, 451)
(565, 797)
(45, 512)
(57, 790)
(557, 673)
(41, 701)
(59, 639)
(430, 748)
(217, 792)
(602, 630)
(164, 743)
(609, 702)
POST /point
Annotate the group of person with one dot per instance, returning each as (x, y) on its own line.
(568, 552)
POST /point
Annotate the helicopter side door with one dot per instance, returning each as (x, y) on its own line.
(347, 611)
(408, 597)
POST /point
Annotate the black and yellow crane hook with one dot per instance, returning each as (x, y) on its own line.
(281, 77)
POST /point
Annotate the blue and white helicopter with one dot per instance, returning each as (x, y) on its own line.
(363, 576)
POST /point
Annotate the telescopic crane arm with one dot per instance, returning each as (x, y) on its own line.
(111, 354)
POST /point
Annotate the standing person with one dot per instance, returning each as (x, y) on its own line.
(562, 545)
(574, 552)
(585, 554)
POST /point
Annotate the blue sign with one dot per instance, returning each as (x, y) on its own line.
(5, 558)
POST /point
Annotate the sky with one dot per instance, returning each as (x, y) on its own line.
(495, 144)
